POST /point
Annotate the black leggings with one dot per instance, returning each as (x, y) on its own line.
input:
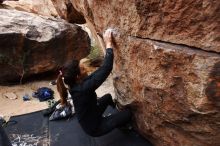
(110, 122)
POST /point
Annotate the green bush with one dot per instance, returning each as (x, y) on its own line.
(95, 53)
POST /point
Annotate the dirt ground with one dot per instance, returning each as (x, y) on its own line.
(11, 107)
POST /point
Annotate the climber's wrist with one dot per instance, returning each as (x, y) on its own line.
(109, 45)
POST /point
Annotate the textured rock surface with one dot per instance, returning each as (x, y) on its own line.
(174, 90)
(56, 8)
(42, 7)
(37, 44)
(66, 11)
(189, 22)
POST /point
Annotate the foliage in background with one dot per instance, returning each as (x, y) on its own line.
(95, 53)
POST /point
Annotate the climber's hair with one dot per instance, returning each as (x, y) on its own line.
(70, 71)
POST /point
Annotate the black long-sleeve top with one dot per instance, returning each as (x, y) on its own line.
(85, 98)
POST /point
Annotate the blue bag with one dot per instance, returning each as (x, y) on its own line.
(44, 93)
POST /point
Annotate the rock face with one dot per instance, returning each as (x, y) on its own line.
(41, 7)
(56, 8)
(189, 22)
(173, 91)
(66, 11)
(37, 44)
(167, 65)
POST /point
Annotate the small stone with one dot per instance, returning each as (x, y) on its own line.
(10, 95)
(54, 82)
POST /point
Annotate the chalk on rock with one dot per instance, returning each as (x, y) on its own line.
(113, 30)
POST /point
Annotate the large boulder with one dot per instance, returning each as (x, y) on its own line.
(173, 91)
(53, 8)
(167, 65)
(66, 11)
(41, 7)
(188, 22)
(31, 44)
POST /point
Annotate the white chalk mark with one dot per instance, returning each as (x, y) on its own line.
(26, 140)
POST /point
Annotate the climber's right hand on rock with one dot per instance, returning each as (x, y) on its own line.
(108, 38)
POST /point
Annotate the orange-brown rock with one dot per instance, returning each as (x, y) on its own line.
(41, 7)
(66, 11)
(163, 67)
(37, 44)
(188, 22)
(173, 91)
(55, 8)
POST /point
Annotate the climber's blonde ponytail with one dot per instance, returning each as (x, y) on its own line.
(62, 90)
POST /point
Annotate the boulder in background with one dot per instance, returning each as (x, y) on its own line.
(37, 44)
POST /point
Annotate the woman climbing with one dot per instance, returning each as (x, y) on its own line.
(88, 109)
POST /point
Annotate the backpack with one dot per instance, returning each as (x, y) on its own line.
(43, 94)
